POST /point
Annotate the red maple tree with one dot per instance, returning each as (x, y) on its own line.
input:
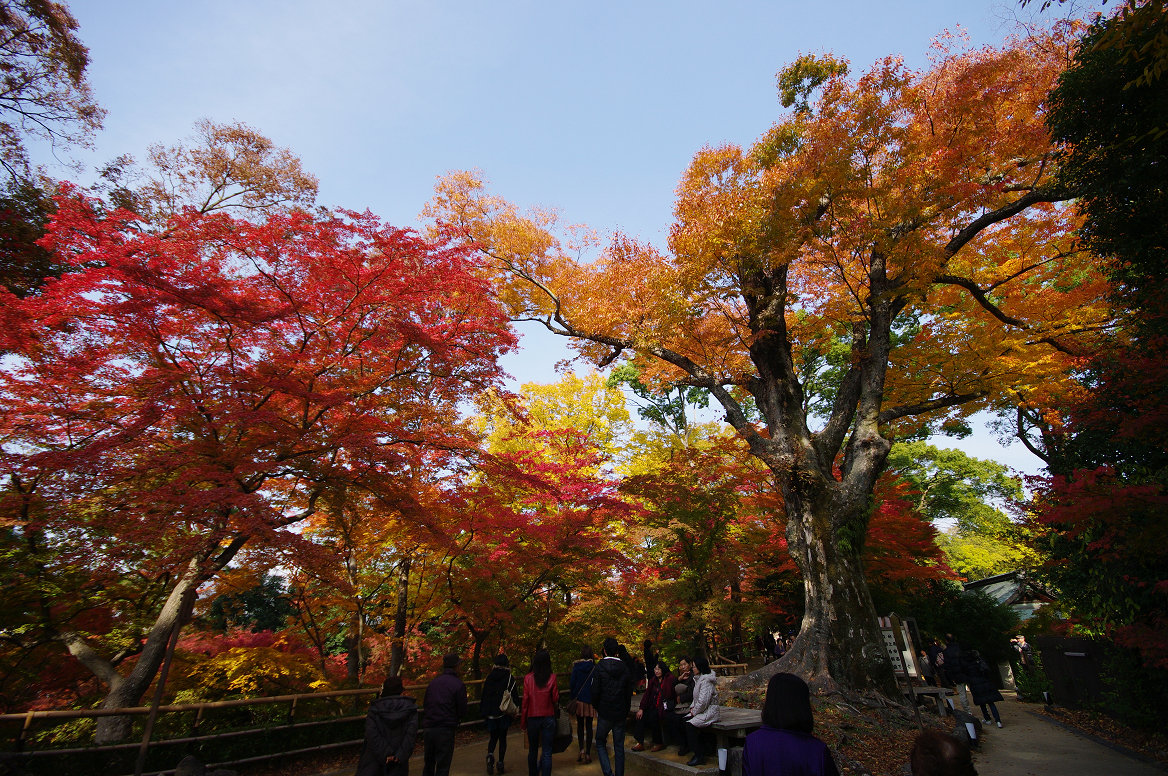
(185, 392)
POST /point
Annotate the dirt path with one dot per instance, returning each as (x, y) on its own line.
(1030, 744)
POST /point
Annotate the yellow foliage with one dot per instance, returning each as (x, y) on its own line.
(246, 672)
(585, 404)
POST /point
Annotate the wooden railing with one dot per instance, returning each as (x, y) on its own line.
(341, 713)
(27, 720)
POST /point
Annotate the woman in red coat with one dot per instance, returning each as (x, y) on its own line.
(537, 715)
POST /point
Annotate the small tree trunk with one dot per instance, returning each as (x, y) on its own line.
(397, 649)
(477, 653)
(736, 618)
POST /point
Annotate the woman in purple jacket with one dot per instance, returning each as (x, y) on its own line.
(784, 746)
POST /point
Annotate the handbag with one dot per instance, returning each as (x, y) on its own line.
(563, 737)
(573, 707)
(507, 703)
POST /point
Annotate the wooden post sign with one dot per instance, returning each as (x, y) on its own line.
(898, 642)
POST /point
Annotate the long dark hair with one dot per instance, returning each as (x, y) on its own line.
(788, 704)
(541, 667)
(701, 663)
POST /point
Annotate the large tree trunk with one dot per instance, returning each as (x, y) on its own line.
(127, 691)
(839, 646)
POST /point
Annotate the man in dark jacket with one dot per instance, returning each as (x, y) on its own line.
(390, 729)
(612, 695)
(442, 710)
(955, 669)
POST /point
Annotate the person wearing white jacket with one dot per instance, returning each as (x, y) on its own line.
(703, 712)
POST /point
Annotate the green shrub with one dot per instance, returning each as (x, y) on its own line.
(1033, 682)
(1134, 694)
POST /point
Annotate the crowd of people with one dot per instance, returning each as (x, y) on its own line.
(964, 671)
(676, 709)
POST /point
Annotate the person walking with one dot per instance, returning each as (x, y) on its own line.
(443, 708)
(703, 712)
(580, 689)
(612, 693)
(936, 655)
(926, 668)
(983, 688)
(499, 682)
(537, 715)
(391, 727)
(955, 669)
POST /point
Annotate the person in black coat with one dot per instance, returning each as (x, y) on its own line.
(498, 682)
(443, 707)
(955, 667)
(391, 726)
(982, 687)
(612, 695)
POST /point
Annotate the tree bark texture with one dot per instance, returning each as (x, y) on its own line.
(397, 649)
(839, 645)
(127, 691)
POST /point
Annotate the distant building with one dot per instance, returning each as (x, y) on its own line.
(1023, 595)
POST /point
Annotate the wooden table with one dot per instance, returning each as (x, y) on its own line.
(733, 723)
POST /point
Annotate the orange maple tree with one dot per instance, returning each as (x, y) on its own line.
(892, 254)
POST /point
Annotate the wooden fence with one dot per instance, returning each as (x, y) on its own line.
(344, 707)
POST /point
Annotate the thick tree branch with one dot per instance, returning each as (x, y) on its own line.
(982, 299)
(907, 410)
(976, 226)
(88, 657)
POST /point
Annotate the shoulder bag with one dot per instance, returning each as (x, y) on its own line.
(507, 703)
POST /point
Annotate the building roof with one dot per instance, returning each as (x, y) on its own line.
(1012, 589)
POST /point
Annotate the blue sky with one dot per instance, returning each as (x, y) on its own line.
(592, 108)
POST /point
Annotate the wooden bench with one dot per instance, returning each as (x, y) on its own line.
(733, 724)
(938, 693)
(730, 669)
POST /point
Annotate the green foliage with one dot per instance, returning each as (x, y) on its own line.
(1033, 683)
(24, 211)
(980, 556)
(965, 495)
(1134, 694)
(940, 607)
(798, 80)
(670, 408)
(956, 487)
(1114, 121)
(267, 606)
